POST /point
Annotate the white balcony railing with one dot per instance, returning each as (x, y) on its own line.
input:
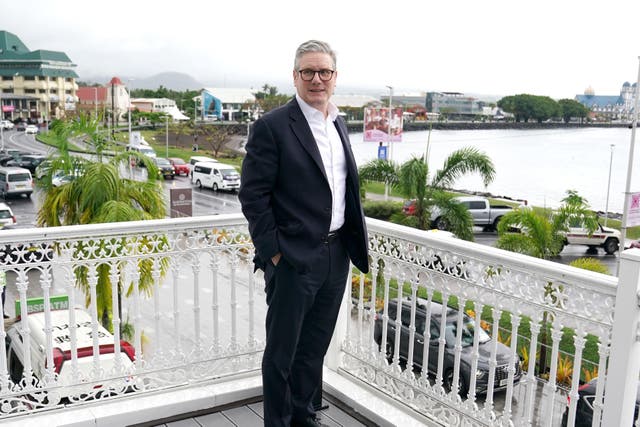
(193, 310)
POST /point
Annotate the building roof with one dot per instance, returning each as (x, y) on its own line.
(90, 93)
(17, 59)
(601, 101)
(357, 101)
(232, 95)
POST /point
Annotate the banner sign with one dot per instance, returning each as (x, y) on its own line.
(36, 305)
(376, 125)
(633, 211)
(7, 108)
(181, 202)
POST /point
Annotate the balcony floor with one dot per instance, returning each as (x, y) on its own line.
(249, 414)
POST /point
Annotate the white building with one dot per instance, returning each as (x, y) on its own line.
(159, 105)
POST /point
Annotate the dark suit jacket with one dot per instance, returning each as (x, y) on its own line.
(285, 194)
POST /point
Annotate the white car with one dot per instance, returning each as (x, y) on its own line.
(6, 215)
(603, 237)
(6, 124)
(32, 129)
(17, 351)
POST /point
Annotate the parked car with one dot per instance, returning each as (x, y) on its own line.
(32, 129)
(20, 126)
(503, 353)
(584, 405)
(180, 166)
(483, 213)
(30, 161)
(6, 124)
(603, 237)
(409, 207)
(165, 168)
(18, 352)
(15, 181)
(7, 218)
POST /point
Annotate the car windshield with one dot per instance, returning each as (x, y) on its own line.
(229, 172)
(5, 214)
(178, 162)
(163, 162)
(468, 329)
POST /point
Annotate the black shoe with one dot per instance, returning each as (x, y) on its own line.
(308, 422)
(6, 316)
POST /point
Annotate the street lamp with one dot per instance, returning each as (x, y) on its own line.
(606, 209)
(389, 142)
(167, 135)
(129, 107)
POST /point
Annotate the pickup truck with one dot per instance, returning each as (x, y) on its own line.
(483, 214)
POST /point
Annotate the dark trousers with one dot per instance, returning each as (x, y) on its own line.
(301, 316)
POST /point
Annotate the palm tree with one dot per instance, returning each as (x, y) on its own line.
(541, 235)
(98, 194)
(412, 179)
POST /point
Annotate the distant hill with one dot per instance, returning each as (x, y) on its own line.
(170, 80)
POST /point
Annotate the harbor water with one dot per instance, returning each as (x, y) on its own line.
(537, 165)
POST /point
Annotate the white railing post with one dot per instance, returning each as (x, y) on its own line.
(332, 359)
(624, 363)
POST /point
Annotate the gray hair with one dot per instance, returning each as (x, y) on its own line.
(314, 46)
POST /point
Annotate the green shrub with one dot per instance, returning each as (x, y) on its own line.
(381, 209)
(591, 264)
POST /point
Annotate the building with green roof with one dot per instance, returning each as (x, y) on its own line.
(37, 85)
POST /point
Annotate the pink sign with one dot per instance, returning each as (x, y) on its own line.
(7, 108)
(376, 125)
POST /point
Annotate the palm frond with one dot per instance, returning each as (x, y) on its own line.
(461, 162)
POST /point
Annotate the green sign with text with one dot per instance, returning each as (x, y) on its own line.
(36, 305)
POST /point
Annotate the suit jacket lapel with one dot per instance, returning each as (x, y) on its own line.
(352, 169)
(303, 132)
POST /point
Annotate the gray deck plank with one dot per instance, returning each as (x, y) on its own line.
(217, 419)
(243, 417)
(189, 422)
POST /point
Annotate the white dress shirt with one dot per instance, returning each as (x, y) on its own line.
(332, 153)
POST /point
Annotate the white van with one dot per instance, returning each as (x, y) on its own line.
(195, 159)
(142, 149)
(216, 176)
(15, 181)
(61, 348)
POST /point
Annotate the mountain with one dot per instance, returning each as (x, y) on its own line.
(170, 80)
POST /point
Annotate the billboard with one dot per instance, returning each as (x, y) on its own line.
(211, 105)
(376, 125)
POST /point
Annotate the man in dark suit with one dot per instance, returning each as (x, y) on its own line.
(300, 195)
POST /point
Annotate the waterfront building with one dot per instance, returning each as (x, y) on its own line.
(158, 105)
(453, 104)
(610, 107)
(39, 85)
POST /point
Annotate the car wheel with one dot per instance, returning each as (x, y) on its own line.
(448, 382)
(441, 223)
(199, 184)
(495, 223)
(611, 245)
(215, 187)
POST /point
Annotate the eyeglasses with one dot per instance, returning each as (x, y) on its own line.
(308, 75)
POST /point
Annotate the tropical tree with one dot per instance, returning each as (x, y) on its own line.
(413, 180)
(540, 234)
(571, 108)
(98, 193)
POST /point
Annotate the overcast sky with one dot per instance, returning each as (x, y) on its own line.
(545, 47)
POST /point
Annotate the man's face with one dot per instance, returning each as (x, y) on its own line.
(315, 92)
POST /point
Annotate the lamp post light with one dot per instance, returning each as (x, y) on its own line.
(167, 134)
(606, 209)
